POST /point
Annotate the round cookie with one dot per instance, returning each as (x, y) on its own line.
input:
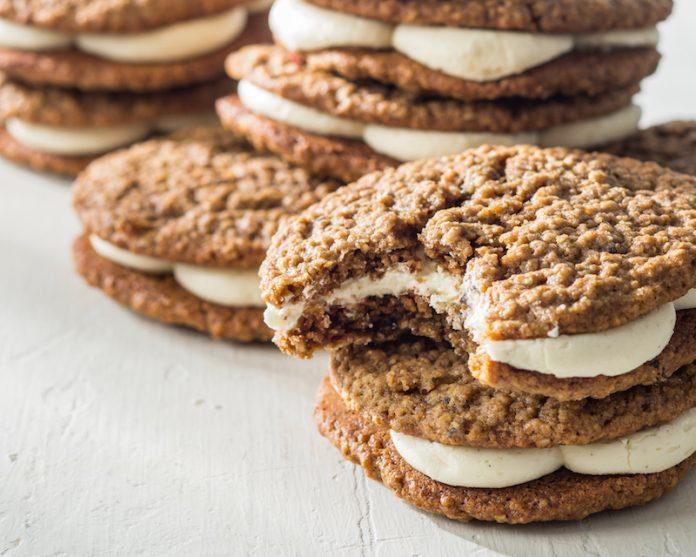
(672, 144)
(552, 241)
(341, 159)
(75, 69)
(545, 16)
(125, 16)
(286, 75)
(424, 389)
(562, 495)
(69, 108)
(200, 197)
(577, 73)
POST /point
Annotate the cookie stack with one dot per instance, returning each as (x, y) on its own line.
(84, 77)
(512, 329)
(353, 87)
(176, 228)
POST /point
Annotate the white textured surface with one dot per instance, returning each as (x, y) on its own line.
(119, 436)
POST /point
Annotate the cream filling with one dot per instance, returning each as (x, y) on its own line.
(611, 353)
(474, 54)
(406, 144)
(227, 287)
(649, 451)
(688, 301)
(67, 141)
(181, 41)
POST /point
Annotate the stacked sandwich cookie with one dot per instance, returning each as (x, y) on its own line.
(80, 78)
(176, 228)
(512, 329)
(352, 87)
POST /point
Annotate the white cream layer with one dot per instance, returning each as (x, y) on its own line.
(611, 353)
(475, 54)
(406, 144)
(227, 287)
(180, 41)
(67, 141)
(649, 451)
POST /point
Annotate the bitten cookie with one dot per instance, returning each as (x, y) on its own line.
(558, 272)
(176, 228)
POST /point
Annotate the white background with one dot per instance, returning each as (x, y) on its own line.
(119, 436)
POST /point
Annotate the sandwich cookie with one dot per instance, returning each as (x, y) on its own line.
(176, 228)
(315, 118)
(557, 272)
(514, 486)
(62, 130)
(459, 59)
(672, 144)
(133, 46)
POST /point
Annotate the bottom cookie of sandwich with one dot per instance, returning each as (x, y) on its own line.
(160, 297)
(562, 495)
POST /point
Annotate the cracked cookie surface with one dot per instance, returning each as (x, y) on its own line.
(551, 238)
(202, 197)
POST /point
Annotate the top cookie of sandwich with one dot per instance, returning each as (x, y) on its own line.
(544, 242)
(201, 196)
(546, 16)
(109, 15)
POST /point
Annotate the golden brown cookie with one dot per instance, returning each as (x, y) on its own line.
(124, 16)
(562, 495)
(546, 16)
(288, 76)
(341, 159)
(588, 73)
(672, 144)
(425, 389)
(202, 198)
(160, 297)
(552, 240)
(75, 69)
(52, 106)
(12, 150)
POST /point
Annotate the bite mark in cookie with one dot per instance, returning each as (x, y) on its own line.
(505, 244)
